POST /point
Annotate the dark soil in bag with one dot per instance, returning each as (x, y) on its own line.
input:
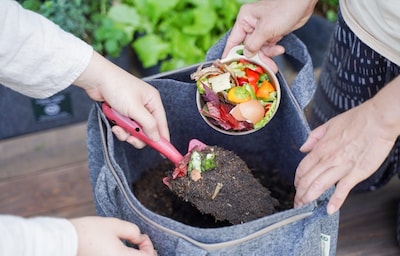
(246, 194)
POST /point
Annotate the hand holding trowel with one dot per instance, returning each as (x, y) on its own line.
(162, 146)
(213, 179)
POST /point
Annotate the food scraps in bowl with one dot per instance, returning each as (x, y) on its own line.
(236, 97)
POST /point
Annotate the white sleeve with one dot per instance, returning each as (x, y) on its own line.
(37, 57)
(40, 236)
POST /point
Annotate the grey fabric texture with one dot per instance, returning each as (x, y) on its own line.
(114, 165)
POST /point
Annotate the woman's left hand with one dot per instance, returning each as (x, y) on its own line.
(344, 151)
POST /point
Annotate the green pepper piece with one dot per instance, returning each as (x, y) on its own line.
(250, 89)
(209, 162)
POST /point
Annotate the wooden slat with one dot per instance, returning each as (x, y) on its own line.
(41, 151)
(47, 192)
(368, 222)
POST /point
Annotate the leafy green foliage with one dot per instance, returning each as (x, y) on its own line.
(110, 37)
(150, 48)
(173, 33)
(177, 33)
(116, 30)
(79, 17)
(328, 8)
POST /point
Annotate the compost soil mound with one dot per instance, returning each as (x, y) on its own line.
(228, 191)
(157, 197)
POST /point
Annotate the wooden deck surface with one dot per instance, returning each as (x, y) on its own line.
(47, 174)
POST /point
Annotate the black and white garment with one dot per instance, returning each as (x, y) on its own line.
(351, 74)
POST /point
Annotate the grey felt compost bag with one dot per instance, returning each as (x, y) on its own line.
(115, 165)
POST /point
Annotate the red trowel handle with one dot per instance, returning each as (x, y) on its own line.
(163, 146)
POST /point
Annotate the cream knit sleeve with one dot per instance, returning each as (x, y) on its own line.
(39, 236)
(37, 58)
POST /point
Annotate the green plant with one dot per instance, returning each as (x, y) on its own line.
(172, 33)
(116, 29)
(328, 9)
(79, 17)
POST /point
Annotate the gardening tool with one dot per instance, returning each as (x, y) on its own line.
(227, 165)
(163, 146)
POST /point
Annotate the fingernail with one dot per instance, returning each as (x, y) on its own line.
(330, 209)
(298, 205)
(116, 133)
(248, 53)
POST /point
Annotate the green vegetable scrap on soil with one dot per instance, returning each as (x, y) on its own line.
(157, 197)
(227, 190)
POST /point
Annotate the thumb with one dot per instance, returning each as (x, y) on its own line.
(131, 233)
(262, 35)
(145, 248)
(236, 37)
(313, 138)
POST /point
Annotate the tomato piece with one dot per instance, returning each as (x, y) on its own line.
(243, 61)
(252, 76)
(267, 107)
(252, 66)
(242, 80)
(238, 94)
(259, 69)
(265, 89)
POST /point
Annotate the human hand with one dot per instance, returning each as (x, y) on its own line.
(344, 151)
(260, 25)
(102, 236)
(130, 96)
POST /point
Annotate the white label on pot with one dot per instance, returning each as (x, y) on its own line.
(325, 244)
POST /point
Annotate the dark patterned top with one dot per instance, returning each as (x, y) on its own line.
(351, 74)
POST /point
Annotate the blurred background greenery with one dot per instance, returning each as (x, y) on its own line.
(327, 9)
(167, 34)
